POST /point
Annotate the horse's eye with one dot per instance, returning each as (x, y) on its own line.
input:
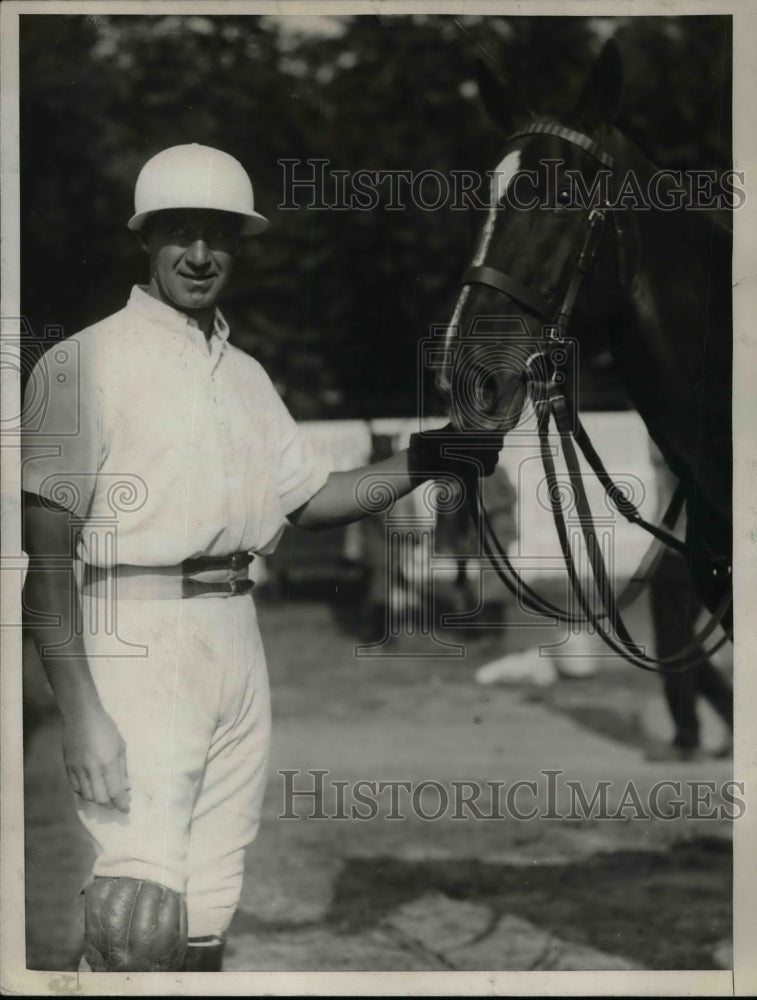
(564, 198)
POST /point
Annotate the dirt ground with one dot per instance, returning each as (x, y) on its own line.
(410, 893)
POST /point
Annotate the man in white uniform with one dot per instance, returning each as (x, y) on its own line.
(163, 688)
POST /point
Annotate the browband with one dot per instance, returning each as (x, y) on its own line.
(570, 135)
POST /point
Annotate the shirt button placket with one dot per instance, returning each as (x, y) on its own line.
(221, 417)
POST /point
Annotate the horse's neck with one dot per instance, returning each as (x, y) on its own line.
(674, 344)
(682, 261)
(680, 291)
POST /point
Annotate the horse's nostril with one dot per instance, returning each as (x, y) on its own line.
(488, 392)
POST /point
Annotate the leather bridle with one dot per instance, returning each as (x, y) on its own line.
(534, 300)
(550, 402)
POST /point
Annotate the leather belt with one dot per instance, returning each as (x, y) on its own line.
(203, 576)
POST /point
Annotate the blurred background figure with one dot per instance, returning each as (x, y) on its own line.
(576, 658)
(455, 535)
(398, 581)
(675, 610)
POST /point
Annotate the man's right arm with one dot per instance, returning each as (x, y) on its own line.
(94, 751)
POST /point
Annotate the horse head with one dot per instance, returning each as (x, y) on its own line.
(548, 252)
(571, 250)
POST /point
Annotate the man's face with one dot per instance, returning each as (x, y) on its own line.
(192, 253)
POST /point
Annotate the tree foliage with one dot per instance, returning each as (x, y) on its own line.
(332, 302)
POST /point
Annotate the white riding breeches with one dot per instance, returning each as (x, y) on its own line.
(194, 710)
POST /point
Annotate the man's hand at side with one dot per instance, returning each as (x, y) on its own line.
(93, 749)
(95, 757)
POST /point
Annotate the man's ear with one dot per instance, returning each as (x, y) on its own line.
(144, 235)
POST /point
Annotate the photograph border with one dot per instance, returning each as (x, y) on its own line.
(743, 980)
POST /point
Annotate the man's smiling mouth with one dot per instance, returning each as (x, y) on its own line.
(197, 278)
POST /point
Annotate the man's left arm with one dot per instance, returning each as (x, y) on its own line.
(338, 500)
(433, 455)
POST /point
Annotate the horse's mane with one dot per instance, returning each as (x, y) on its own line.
(701, 226)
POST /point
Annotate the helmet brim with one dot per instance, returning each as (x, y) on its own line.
(254, 223)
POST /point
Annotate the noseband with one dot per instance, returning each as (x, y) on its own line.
(549, 401)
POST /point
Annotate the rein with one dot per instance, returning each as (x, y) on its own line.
(550, 404)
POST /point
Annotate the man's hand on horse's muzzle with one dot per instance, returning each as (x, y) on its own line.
(448, 451)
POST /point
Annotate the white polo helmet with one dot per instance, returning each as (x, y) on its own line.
(194, 176)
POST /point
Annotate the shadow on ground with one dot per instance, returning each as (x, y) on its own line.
(615, 724)
(659, 910)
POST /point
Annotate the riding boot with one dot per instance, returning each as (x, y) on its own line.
(203, 955)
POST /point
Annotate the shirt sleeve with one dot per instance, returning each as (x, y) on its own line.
(299, 473)
(61, 422)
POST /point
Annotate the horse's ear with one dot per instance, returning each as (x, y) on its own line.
(498, 98)
(601, 95)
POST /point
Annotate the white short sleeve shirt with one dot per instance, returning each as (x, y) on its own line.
(181, 442)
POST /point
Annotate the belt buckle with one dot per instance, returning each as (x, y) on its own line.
(239, 560)
(240, 586)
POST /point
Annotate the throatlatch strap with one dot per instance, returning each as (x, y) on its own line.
(692, 653)
(626, 507)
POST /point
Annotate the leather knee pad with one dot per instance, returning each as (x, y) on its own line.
(131, 925)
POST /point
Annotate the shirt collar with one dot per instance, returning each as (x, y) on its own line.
(165, 315)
